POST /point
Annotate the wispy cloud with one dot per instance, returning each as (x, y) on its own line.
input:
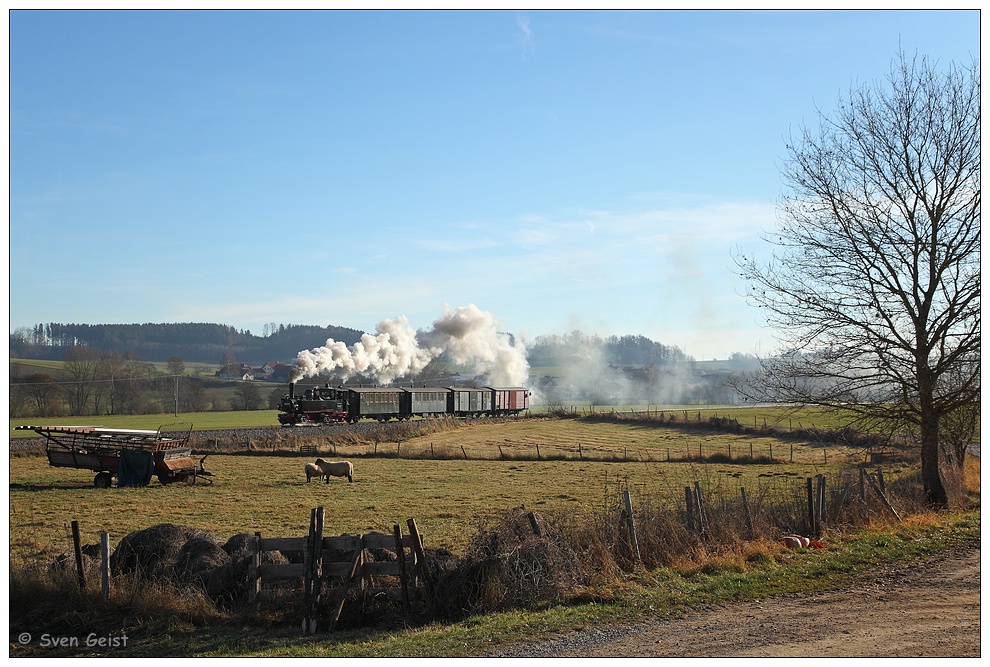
(526, 44)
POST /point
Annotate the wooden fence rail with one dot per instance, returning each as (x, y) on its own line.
(332, 566)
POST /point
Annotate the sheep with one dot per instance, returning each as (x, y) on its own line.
(337, 469)
(313, 470)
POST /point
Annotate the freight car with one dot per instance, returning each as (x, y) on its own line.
(330, 405)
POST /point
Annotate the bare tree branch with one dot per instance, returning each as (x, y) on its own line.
(875, 274)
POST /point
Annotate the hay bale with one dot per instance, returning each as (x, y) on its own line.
(153, 552)
(439, 561)
(239, 546)
(198, 555)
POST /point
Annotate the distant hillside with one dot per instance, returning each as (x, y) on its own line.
(192, 342)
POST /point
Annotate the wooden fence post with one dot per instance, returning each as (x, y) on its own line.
(254, 570)
(811, 506)
(308, 574)
(77, 547)
(403, 575)
(690, 508)
(820, 512)
(702, 512)
(632, 526)
(422, 565)
(314, 572)
(534, 523)
(105, 563)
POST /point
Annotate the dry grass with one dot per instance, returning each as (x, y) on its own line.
(600, 437)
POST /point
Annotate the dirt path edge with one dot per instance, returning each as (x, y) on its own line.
(918, 609)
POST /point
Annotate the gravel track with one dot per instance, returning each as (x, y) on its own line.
(919, 609)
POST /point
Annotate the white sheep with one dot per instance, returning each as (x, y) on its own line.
(313, 470)
(337, 469)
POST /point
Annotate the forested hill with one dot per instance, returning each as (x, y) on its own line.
(192, 342)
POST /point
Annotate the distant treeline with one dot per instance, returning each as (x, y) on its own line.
(211, 343)
(195, 342)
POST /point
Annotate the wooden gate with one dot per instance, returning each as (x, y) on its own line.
(334, 565)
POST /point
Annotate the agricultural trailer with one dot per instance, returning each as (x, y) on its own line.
(132, 456)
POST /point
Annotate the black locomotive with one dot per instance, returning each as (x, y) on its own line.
(329, 405)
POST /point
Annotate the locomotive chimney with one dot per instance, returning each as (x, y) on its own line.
(292, 387)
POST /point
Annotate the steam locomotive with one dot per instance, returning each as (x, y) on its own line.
(330, 405)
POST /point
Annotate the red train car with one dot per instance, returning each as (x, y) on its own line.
(509, 400)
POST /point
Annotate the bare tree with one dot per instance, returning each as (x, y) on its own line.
(229, 365)
(175, 365)
(192, 395)
(82, 369)
(874, 280)
(44, 393)
(247, 396)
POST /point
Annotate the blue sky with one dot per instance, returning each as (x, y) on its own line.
(560, 170)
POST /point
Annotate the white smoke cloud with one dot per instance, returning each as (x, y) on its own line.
(467, 334)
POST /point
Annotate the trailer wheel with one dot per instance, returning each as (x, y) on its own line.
(103, 480)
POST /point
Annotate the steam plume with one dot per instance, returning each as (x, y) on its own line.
(467, 334)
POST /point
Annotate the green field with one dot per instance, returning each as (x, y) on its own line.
(199, 420)
(747, 416)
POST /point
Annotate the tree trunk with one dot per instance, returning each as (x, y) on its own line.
(931, 476)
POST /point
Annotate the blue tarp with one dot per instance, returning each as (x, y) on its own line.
(135, 468)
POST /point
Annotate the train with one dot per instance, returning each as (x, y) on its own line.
(332, 405)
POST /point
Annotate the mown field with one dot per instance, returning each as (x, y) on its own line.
(585, 466)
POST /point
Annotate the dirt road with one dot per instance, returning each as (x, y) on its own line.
(928, 610)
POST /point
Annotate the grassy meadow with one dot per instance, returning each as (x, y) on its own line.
(754, 416)
(199, 420)
(547, 465)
